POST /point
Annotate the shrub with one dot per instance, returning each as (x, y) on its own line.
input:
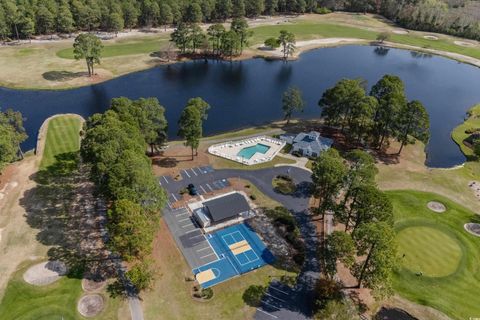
(207, 293)
(253, 295)
(322, 10)
(272, 43)
(472, 130)
(253, 197)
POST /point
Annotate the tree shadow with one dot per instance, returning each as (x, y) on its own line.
(69, 219)
(62, 75)
(168, 162)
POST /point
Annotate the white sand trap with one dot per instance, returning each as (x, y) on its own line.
(90, 305)
(473, 228)
(45, 273)
(430, 37)
(436, 206)
(400, 31)
(92, 285)
(464, 43)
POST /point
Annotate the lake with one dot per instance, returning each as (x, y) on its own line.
(248, 93)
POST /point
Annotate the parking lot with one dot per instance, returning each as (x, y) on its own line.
(189, 237)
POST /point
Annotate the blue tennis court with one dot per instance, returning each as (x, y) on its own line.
(239, 249)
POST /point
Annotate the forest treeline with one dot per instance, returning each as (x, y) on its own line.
(21, 19)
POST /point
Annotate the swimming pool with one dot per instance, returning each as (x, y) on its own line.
(248, 152)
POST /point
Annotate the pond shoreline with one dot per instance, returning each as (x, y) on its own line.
(269, 55)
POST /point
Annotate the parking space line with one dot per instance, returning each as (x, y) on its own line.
(267, 313)
(279, 290)
(181, 214)
(207, 255)
(208, 186)
(268, 294)
(174, 197)
(198, 235)
(165, 178)
(187, 173)
(203, 249)
(184, 219)
(190, 231)
(201, 187)
(194, 172)
(270, 305)
(188, 225)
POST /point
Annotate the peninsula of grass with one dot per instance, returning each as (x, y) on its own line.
(62, 137)
(463, 131)
(438, 259)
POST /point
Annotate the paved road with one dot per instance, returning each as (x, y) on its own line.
(280, 302)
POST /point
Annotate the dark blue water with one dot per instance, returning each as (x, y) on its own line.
(249, 92)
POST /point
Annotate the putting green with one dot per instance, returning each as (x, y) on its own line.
(429, 251)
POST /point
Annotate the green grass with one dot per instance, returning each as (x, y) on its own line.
(62, 137)
(58, 300)
(429, 251)
(459, 135)
(122, 48)
(453, 294)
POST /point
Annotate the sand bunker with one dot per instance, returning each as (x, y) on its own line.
(92, 285)
(90, 305)
(464, 43)
(45, 273)
(436, 206)
(400, 31)
(475, 186)
(473, 228)
(430, 37)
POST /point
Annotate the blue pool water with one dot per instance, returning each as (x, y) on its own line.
(248, 152)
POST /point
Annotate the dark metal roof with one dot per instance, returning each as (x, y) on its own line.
(227, 207)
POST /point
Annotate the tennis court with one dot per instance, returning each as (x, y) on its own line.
(239, 250)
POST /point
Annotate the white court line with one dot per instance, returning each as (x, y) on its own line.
(164, 178)
(267, 313)
(207, 255)
(184, 219)
(279, 290)
(187, 173)
(174, 197)
(268, 294)
(270, 305)
(204, 191)
(194, 172)
(209, 187)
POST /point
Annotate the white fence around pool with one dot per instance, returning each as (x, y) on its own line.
(248, 151)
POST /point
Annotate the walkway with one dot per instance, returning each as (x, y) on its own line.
(280, 302)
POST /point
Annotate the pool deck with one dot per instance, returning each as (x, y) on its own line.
(231, 149)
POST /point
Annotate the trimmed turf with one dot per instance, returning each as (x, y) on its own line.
(457, 293)
(62, 137)
(137, 46)
(473, 122)
(429, 251)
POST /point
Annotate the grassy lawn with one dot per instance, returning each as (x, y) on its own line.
(459, 134)
(23, 301)
(427, 238)
(62, 137)
(123, 48)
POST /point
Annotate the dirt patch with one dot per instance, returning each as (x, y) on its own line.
(177, 157)
(436, 206)
(45, 273)
(430, 37)
(464, 43)
(89, 285)
(90, 305)
(400, 31)
(473, 228)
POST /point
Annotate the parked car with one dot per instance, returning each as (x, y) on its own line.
(192, 190)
